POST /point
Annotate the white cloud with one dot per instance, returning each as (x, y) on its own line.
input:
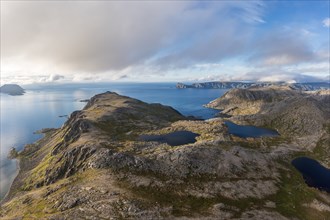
(279, 74)
(64, 41)
(55, 77)
(281, 48)
(320, 68)
(326, 22)
(261, 76)
(95, 37)
(281, 59)
(207, 65)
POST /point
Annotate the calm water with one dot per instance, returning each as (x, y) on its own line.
(314, 174)
(173, 139)
(246, 131)
(41, 107)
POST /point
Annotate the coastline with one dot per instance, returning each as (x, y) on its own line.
(69, 170)
(18, 169)
(25, 164)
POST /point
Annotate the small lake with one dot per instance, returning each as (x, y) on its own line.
(173, 139)
(314, 174)
(46, 106)
(246, 131)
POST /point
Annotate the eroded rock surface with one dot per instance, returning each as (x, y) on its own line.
(96, 167)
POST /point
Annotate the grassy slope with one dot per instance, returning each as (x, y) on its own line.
(290, 199)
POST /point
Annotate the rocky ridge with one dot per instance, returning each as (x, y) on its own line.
(95, 167)
(288, 110)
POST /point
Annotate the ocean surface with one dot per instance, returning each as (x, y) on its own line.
(41, 106)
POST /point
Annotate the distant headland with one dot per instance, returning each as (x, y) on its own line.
(243, 85)
(12, 89)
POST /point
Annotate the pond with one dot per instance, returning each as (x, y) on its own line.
(246, 131)
(314, 174)
(46, 106)
(173, 139)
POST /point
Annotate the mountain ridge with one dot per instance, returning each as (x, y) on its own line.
(96, 167)
(230, 85)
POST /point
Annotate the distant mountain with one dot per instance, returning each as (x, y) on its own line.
(243, 85)
(287, 110)
(97, 163)
(12, 89)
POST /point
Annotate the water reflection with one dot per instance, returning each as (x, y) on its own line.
(41, 107)
(246, 131)
(20, 117)
(173, 139)
(314, 174)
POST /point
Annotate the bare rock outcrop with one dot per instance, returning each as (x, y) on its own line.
(96, 167)
(289, 111)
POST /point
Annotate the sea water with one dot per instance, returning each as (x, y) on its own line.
(41, 107)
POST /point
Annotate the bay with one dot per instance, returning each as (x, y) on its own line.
(42, 106)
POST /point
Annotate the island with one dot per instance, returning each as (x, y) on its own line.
(107, 161)
(12, 89)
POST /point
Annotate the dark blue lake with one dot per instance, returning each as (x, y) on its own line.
(173, 139)
(246, 131)
(314, 174)
(42, 105)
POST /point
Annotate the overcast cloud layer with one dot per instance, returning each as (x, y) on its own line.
(110, 40)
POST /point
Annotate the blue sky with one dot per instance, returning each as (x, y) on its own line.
(98, 41)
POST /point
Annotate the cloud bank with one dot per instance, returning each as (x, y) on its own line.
(87, 40)
(106, 35)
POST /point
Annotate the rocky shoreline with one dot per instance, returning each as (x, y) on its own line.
(96, 167)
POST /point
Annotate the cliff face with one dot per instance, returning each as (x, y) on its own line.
(12, 89)
(96, 167)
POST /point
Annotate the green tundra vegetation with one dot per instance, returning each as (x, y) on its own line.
(96, 167)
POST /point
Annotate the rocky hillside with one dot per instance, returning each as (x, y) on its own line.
(96, 167)
(283, 108)
(12, 89)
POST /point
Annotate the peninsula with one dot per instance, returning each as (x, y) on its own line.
(97, 166)
(242, 85)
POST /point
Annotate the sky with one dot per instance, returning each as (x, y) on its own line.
(164, 41)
